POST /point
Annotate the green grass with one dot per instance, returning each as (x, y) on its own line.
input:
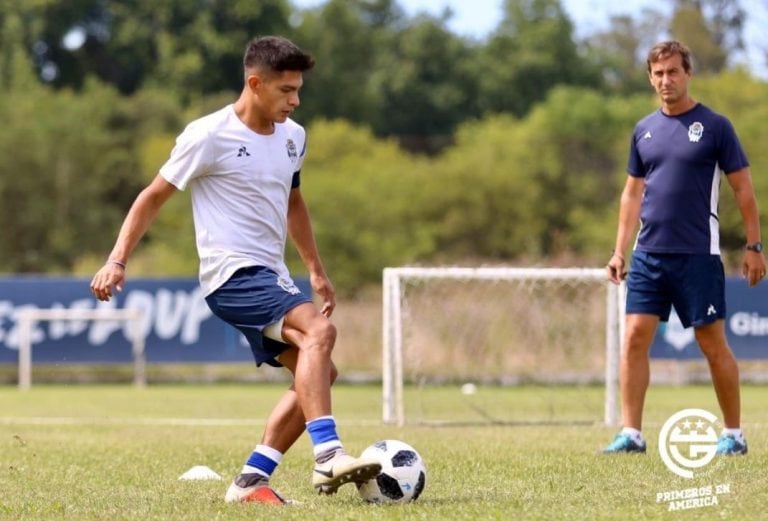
(114, 452)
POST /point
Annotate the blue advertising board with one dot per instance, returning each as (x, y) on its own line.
(177, 324)
(746, 326)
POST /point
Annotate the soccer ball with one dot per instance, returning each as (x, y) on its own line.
(402, 477)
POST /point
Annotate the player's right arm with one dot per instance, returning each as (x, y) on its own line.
(629, 216)
(143, 211)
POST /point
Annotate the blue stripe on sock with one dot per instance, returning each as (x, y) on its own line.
(261, 462)
(322, 430)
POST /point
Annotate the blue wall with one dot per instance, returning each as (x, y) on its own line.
(178, 325)
(746, 326)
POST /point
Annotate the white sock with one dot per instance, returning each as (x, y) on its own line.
(635, 434)
(326, 448)
(736, 433)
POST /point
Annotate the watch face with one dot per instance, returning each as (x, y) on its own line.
(758, 247)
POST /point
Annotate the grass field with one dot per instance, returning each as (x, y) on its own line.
(114, 452)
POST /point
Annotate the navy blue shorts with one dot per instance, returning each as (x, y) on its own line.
(694, 284)
(252, 299)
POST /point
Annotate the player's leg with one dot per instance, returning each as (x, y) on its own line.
(314, 336)
(725, 379)
(285, 425)
(251, 300)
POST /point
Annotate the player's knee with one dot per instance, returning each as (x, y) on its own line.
(322, 336)
(326, 332)
(334, 373)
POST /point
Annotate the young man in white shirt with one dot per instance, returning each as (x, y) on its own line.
(242, 167)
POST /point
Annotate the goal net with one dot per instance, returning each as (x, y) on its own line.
(500, 345)
(29, 317)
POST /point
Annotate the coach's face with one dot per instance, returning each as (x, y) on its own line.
(670, 79)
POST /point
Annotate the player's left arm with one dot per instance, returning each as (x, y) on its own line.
(300, 231)
(753, 266)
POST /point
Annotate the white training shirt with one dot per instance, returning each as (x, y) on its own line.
(239, 182)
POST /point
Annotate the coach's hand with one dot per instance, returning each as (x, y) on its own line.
(753, 268)
(110, 277)
(615, 268)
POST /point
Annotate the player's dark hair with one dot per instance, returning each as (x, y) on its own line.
(277, 54)
(669, 48)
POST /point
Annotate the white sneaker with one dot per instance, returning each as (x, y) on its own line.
(259, 492)
(343, 468)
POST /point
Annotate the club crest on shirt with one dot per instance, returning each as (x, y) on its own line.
(290, 147)
(695, 132)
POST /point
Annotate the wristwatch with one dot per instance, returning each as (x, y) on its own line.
(756, 247)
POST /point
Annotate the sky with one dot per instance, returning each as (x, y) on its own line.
(476, 18)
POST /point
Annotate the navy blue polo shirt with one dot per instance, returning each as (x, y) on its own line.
(681, 158)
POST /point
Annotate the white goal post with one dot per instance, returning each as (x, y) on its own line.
(396, 281)
(29, 317)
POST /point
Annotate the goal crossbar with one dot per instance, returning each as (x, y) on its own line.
(393, 280)
(29, 317)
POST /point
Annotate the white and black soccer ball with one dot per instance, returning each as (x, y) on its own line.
(403, 473)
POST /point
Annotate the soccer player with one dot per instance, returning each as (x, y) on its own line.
(676, 157)
(242, 167)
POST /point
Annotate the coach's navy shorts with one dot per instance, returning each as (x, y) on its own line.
(694, 284)
(252, 299)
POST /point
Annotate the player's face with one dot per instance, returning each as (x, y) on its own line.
(670, 79)
(278, 94)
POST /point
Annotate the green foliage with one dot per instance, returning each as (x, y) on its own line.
(531, 52)
(522, 151)
(483, 193)
(363, 195)
(58, 173)
(711, 28)
(344, 37)
(690, 26)
(425, 86)
(619, 52)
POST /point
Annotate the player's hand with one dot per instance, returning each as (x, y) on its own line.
(322, 286)
(109, 279)
(753, 268)
(615, 269)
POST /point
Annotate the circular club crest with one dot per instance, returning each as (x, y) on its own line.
(688, 441)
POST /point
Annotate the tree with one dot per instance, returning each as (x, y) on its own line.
(365, 195)
(346, 38)
(191, 47)
(19, 28)
(425, 86)
(711, 28)
(531, 51)
(620, 52)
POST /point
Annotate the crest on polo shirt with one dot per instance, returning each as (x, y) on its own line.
(290, 147)
(695, 132)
